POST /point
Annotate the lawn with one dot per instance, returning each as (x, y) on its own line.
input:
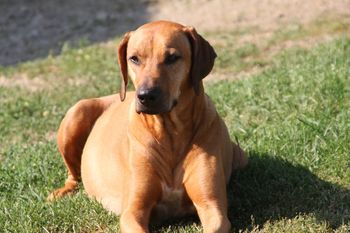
(293, 118)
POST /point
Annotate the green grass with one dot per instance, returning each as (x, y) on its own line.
(328, 24)
(252, 48)
(293, 119)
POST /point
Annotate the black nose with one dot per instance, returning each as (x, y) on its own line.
(148, 96)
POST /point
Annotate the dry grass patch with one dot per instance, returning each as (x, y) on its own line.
(23, 81)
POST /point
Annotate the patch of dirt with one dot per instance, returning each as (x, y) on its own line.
(228, 15)
(22, 81)
(214, 77)
(51, 135)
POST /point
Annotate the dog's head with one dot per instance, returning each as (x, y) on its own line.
(163, 59)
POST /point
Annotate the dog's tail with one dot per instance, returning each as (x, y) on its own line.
(240, 159)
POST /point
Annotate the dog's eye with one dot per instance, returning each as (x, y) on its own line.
(134, 60)
(171, 59)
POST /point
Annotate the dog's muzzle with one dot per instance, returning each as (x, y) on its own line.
(151, 101)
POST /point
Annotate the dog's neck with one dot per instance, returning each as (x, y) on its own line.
(177, 128)
(171, 135)
(182, 119)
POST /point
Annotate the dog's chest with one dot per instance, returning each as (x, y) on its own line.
(171, 196)
(172, 203)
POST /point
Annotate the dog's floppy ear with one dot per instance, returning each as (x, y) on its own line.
(203, 57)
(122, 60)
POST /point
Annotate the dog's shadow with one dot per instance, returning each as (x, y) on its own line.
(271, 189)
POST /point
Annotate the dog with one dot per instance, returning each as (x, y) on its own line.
(161, 151)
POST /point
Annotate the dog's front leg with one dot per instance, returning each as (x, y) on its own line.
(206, 187)
(144, 192)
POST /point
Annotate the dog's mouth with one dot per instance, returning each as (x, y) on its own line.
(153, 110)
